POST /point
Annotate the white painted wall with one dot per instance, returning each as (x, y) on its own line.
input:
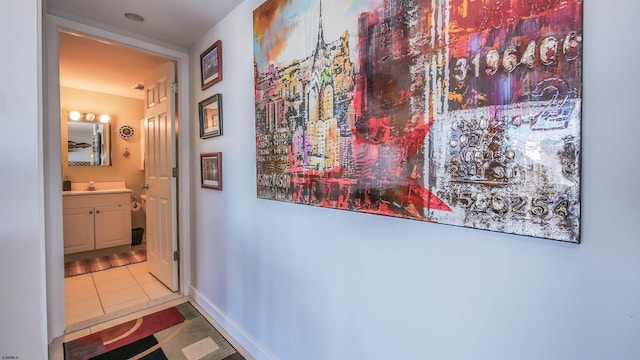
(22, 267)
(298, 282)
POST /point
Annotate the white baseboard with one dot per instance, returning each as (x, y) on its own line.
(230, 330)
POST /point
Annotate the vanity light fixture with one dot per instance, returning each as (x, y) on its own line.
(75, 115)
(91, 117)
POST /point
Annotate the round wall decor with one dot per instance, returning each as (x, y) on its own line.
(126, 132)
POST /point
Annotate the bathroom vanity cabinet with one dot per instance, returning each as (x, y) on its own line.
(96, 221)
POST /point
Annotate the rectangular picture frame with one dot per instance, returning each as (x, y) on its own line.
(210, 113)
(211, 170)
(211, 65)
(477, 124)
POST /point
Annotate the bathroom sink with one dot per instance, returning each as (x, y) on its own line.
(101, 187)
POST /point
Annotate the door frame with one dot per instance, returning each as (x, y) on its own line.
(54, 256)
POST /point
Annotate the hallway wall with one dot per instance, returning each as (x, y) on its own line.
(31, 256)
(22, 268)
(299, 282)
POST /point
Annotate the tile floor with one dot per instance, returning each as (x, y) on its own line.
(106, 292)
(120, 320)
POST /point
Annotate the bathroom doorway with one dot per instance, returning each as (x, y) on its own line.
(101, 77)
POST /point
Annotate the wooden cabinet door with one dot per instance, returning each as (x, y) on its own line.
(78, 230)
(113, 226)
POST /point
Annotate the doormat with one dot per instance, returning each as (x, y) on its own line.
(179, 332)
(79, 267)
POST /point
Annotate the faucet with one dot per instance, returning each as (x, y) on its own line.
(91, 186)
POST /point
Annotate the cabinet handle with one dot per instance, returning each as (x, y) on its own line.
(90, 211)
(97, 211)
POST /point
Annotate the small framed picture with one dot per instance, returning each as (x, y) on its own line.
(211, 65)
(210, 111)
(211, 170)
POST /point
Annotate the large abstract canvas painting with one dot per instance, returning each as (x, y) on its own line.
(460, 112)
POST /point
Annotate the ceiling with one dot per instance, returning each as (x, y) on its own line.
(100, 66)
(177, 22)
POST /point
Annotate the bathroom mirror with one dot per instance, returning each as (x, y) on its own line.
(89, 143)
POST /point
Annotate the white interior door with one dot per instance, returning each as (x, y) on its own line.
(160, 156)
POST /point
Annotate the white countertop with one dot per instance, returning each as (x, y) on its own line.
(99, 187)
(96, 192)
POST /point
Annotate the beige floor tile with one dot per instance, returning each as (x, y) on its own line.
(83, 310)
(111, 274)
(80, 293)
(141, 267)
(159, 295)
(126, 304)
(117, 284)
(82, 306)
(110, 291)
(78, 281)
(143, 278)
(122, 295)
(155, 289)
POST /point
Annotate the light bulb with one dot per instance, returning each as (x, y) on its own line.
(104, 118)
(74, 115)
(90, 117)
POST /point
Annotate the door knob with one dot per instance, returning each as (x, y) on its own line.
(144, 186)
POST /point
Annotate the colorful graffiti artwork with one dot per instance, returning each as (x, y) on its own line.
(460, 112)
